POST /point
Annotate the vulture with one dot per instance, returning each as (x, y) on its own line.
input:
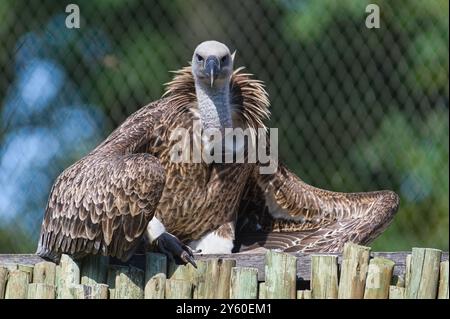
(129, 190)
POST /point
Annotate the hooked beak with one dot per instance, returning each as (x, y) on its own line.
(212, 67)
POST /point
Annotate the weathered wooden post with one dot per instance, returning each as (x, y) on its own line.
(443, 281)
(67, 275)
(155, 276)
(378, 278)
(244, 283)
(212, 274)
(281, 275)
(355, 262)
(425, 264)
(155, 287)
(45, 273)
(223, 285)
(262, 290)
(3, 279)
(324, 277)
(17, 284)
(41, 291)
(129, 283)
(178, 289)
(396, 292)
(407, 271)
(94, 269)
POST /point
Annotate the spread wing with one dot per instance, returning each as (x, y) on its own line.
(103, 203)
(280, 211)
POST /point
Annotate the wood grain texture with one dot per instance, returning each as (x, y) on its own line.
(354, 267)
(324, 277)
(280, 275)
(17, 284)
(254, 260)
(244, 283)
(44, 272)
(443, 281)
(3, 279)
(378, 278)
(41, 291)
(425, 264)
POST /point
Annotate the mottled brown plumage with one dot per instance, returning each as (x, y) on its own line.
(103, 203)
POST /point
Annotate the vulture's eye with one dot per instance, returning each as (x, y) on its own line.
(224, 59)
(199, 58)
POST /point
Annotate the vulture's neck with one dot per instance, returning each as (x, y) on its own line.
(214, 106)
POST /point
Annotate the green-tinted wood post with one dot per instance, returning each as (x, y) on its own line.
(129, 283)
(425, 264)
(307, 294)
(155, 275)
(111, 280)
(41, 291)
(355, 262)
(396, 292)
(155, 287)
(3, 279)
(212, 274)
(198, 279)
(94, 270)
(300, 294)
(262, 290)
(281, 275)
(244, 283)
(443, 281)
(67, 274)
(178, 289)
(324, 277)
(407, 271)
(378, 278)
(28, 269)
(45, 273)
(223, 286)
(17, 285)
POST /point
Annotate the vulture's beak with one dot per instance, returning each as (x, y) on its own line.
(212, 67)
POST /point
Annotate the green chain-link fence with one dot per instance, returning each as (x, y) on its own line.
(357, 109)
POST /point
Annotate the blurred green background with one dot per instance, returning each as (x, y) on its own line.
(357, 109)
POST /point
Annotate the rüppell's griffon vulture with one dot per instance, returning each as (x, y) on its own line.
(130, 186)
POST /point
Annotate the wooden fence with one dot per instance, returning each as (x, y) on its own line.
(357, 273)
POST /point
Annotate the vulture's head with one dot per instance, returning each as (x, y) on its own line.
(212, 63)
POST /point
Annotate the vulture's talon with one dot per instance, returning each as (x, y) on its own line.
(173, 248)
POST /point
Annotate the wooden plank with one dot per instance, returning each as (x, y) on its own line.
(3, 279)
(355, 262)
(212, 274)
(262, 291)
(425, 264)
(178, 289)
(378, 278)
(155, 276)
(17, 284)
(94, 269)
(324, 277)
(396, 292)
(307, 294)
(67, 274)
(223, 285)
(281, 277)
(44, 272)
(443, 281)
(253, 260)
(41, 290)
(155, 287)
(129, 283)
(407, 270)
(244, 283)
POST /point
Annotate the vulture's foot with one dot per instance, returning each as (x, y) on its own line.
(173, 248)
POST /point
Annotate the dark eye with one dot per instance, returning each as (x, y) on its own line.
(199, 58)
(224, 59)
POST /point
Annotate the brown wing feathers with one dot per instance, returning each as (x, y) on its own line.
(288, 214)
(103, 203)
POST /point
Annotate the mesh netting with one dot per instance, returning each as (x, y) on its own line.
(357, 109)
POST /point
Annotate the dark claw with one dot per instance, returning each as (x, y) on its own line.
(173, 247)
